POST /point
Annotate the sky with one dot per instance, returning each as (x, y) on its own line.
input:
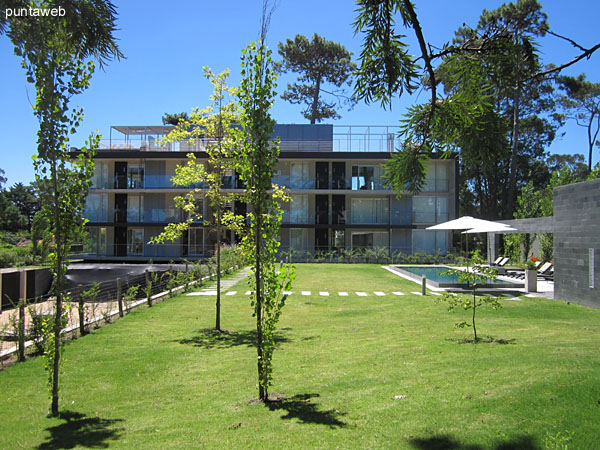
(166, 44)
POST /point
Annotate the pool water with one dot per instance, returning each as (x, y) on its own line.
(436, 277)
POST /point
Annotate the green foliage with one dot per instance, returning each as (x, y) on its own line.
(386, 66)
(174, 119)
(254, 157)
(405, 171)
(317, 62)
(581, 103)
(476, 274)
(55, 55)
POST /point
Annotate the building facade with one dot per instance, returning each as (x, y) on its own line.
(333, 173)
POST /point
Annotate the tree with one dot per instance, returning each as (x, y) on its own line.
(174, 119)
(480, 275)
(26, 199)
(255, 156)
(318, 62)
(3, 179)
(56, 54)
(387, 68)
(581, 103)
(213, 127)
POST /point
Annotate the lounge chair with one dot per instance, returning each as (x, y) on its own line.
(547, 272)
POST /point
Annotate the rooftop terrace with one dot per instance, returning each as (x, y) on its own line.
(294, 137)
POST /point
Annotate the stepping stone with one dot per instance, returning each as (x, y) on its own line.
(203, 293)
(398, 293)
(361, 294)
(305, 293)
(379, 294)
(343, 294)
(287, 292)
(248, 292)
(324, 294)
(435, 293)
(231, 293)
(416, 293)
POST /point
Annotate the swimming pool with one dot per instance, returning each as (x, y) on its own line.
(436, 278)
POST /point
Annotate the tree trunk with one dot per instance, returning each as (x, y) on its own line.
(315, 104)
(218, 306)
(58, 287)
(262, 388)
(474, 306)
(512, 181)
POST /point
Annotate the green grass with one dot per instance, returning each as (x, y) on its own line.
(158, 379)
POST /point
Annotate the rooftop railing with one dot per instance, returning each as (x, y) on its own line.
(353, 138)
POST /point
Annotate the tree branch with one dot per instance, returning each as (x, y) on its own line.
(585, 54)
(573, 43)
(424, 53)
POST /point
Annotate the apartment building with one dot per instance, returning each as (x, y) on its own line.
(333, 173)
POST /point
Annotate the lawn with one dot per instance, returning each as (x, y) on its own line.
(353, 372)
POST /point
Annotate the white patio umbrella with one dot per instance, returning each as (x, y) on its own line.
(497, 227)
(470, 223)
(463, 223)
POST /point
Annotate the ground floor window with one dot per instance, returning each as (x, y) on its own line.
(196, 241)
(299, 239)
(135, 241)
(338, 239)
(370, 239)
(425, 241)
(95, 243)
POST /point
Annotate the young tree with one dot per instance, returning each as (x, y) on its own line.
(56, 56)
(317, 62)
(581, 102)
(212, 127)
(255, 156)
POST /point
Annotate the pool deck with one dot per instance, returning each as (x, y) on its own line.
(544, 288)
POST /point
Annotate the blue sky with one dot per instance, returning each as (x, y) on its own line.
(167, 43)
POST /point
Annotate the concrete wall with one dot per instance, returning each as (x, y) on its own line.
(576, 233)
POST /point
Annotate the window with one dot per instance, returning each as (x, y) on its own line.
(429, 209)
(338, 240)
(436, 179)
(299, 239)
(135, 208)
(299, 176)
(299, 209)
(425, 241)
(96, 208)
(363, 178)
(100, 180)
(135, 176)
(196, 241)
(135, 241)
(370, 211)
(370, 239)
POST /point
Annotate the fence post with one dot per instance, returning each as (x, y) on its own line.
(119, 299)
(22, 299)
(1, 299)
(423, 285)
(148, 288)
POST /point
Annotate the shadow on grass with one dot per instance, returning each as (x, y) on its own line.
(300, 407)
(211, 338)
(444, 442)
(80, 430)
(486, 340)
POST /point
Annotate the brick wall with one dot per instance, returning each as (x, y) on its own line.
(577, 229)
